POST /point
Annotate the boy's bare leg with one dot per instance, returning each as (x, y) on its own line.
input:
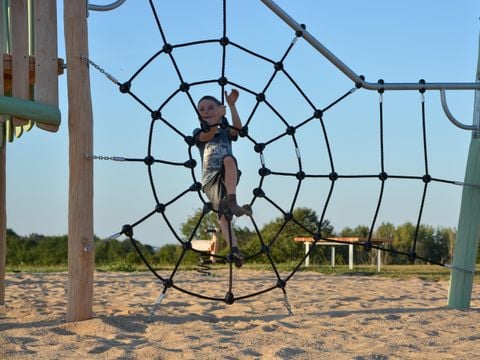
(215, 246)
(224, 226)
(231, 174)
(231, 179)
(237, 255)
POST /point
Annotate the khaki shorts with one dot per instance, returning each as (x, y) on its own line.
(215, 189)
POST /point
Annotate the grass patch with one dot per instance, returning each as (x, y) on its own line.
(425, 272)
(36, 268)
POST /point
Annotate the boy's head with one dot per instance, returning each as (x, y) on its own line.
(211, 98)
(210, 109)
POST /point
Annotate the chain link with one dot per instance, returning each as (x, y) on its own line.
(101, 157)
(101, 70)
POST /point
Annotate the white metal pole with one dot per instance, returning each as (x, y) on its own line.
(379, 259)
(350, 256)
(307, 249)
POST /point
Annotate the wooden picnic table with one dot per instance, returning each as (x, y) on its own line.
(342, 241)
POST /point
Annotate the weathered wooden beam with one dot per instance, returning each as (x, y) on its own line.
(19, 43)
(3, 178)
(46, 81)
(81, 251)
(7, 71)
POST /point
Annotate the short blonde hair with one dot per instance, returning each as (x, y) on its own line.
(211, 98)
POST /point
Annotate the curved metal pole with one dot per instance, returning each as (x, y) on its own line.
(474, 127)
(357, 79)
(109, 7)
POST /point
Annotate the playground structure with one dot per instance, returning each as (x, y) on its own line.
(211, 246)
(44, 111)
(28, 85)
(32, 24)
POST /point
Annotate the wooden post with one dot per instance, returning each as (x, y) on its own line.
(3, 187)
(20, 60)
(81, 254)
(468, 234)
(46, 64)
(3, 223)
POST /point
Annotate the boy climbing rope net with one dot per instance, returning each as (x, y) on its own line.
(220, 174)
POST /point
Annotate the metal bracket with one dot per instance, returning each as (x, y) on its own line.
(108, 7)
(476, 121)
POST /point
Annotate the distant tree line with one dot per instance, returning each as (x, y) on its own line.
(41, 250)
(435, 244)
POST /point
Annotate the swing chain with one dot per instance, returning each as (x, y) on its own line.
(101, 70)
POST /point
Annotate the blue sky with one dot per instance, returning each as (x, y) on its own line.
(400, 41)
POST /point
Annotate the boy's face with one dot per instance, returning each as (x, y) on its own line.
(210, 112)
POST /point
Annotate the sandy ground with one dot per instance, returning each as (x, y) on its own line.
(334, 317)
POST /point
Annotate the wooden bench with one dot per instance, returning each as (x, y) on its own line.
(342, 241)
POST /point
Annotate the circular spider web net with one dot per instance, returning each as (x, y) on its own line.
(283, 172)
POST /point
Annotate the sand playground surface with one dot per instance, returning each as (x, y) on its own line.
(334, 317)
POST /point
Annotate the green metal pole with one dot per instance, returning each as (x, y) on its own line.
(468, 234)
(31, 110)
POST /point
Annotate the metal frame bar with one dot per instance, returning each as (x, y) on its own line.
(28, 109)
(446, 110)
(108, 7)
(351, 74)
(360, 80)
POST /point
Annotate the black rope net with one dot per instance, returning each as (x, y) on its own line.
(330, 177)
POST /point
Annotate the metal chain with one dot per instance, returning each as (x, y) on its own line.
(101, 157)
(101, 70)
